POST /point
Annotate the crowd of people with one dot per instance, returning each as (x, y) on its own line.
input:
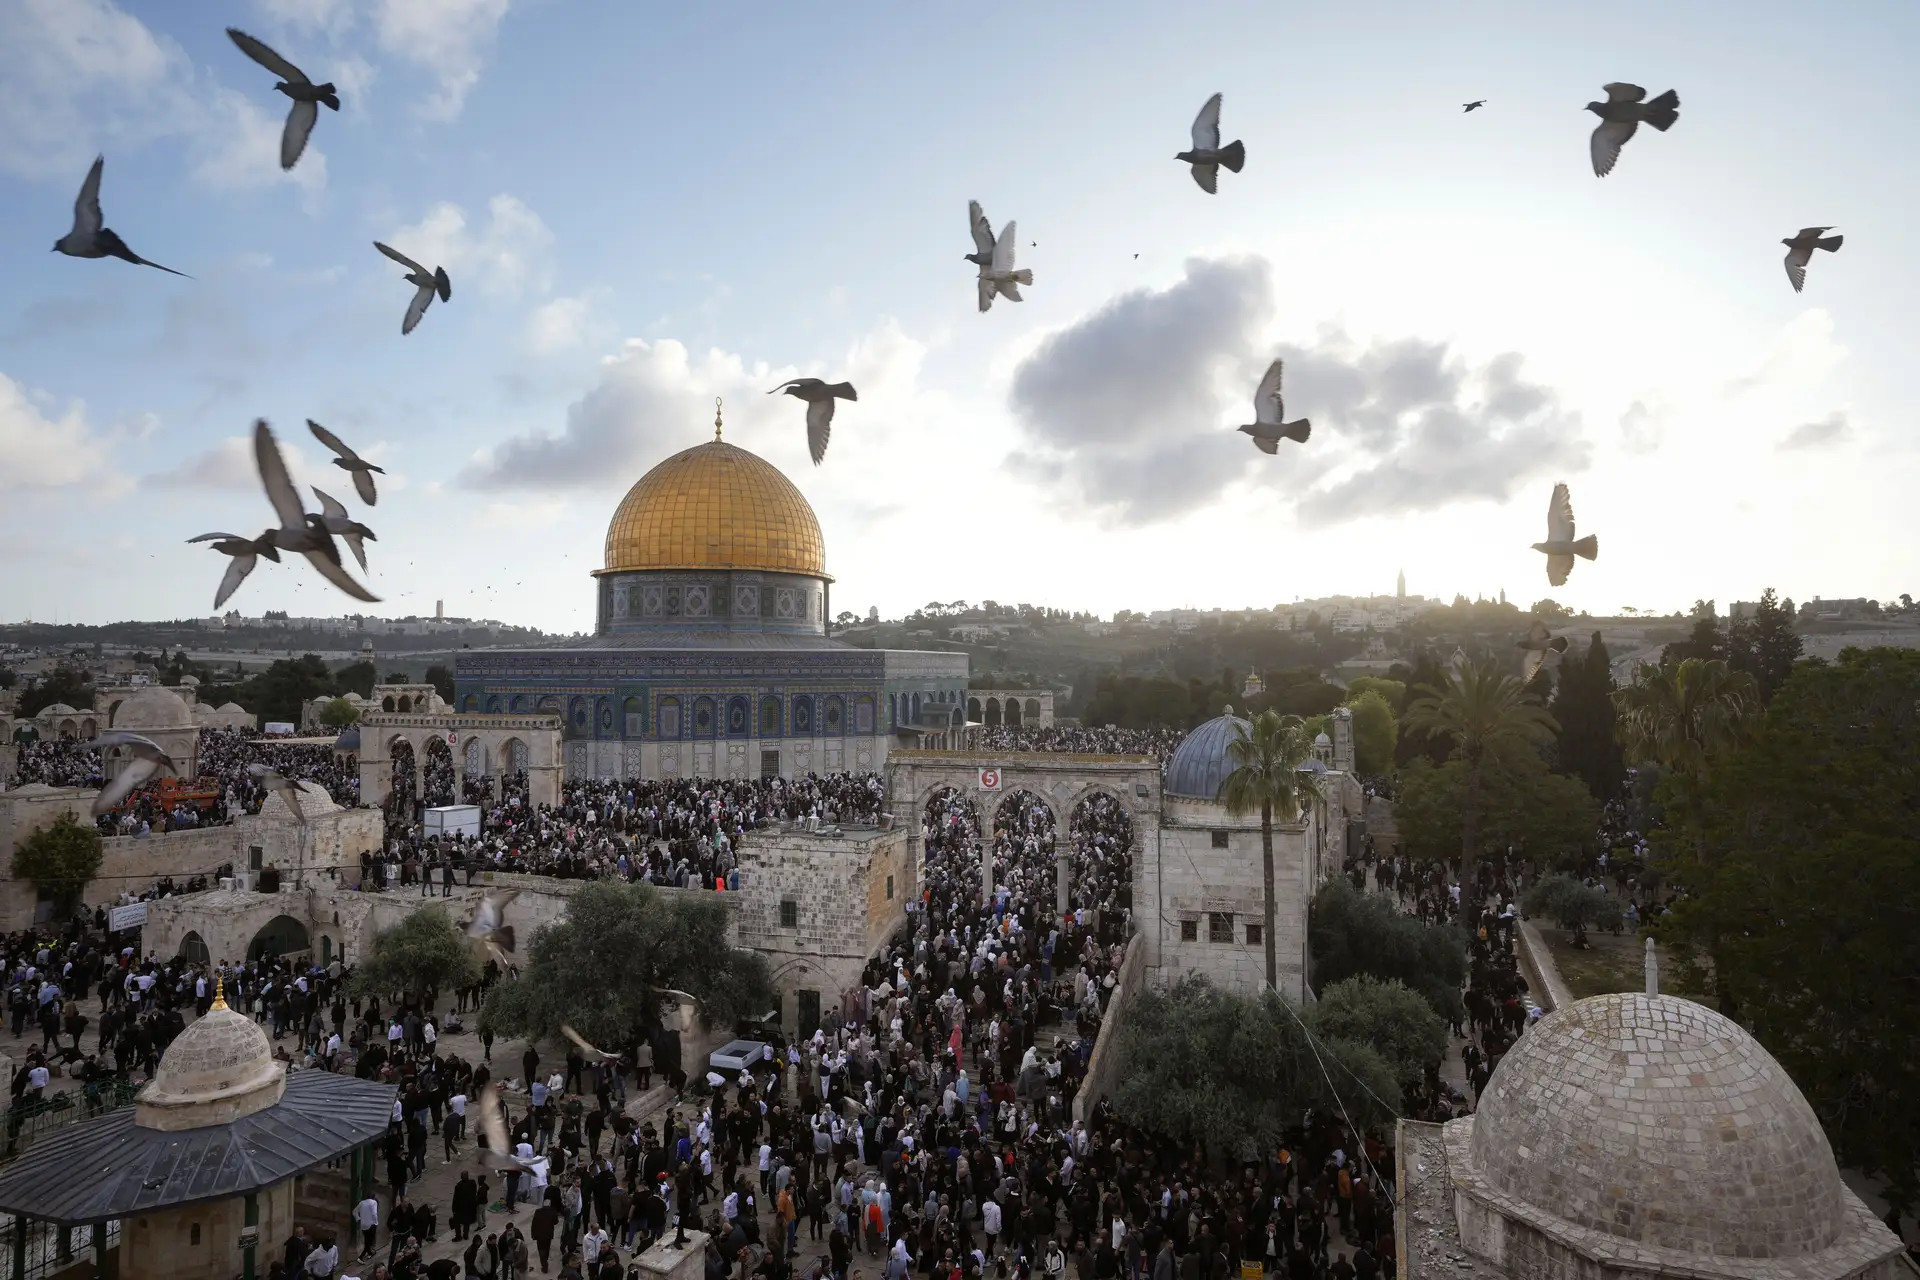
(1086, 739)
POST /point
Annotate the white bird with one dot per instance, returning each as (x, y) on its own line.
(819, 397)
(1000, 277)
(1537, 643)
(245, 553)
(498, 1152)
(305, 93)
(299, 530)
(425, 284)
(1267, 427)
(1800, 251)
(489, 925)
(1208, 155)
(289, 789)
(343, 526)
(1560, 547)
(586, 1048)
(1620, 117)
(146, 758)
(89, 238)
(982, 255)
(352, 463)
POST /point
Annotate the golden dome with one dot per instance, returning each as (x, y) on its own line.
(715, 506)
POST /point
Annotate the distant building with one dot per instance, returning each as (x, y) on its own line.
(1400, 586)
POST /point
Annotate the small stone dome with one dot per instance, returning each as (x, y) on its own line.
(232, 708)
(1199, 764)
(1322, 740)
(58, 709)
(314, 802)
(1659, 1122)
(154, 707)
(189, 682)
(216, 1071)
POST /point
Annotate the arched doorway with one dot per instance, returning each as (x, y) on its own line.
(1101, 829)
(973, 710)
(1023, 836)
(1012, 715)
(439, 787)
(193, 949)
(280, 936)
(992, 717)
(405, 776)
(950, 842)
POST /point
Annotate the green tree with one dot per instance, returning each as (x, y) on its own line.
(59, 860)
(1808, 899)
(1550, 610)
(1374, 733)
(1415, 743)
(1477, 706)
(1765, 645)
(1524, 805)
(1356, 933)
(441, 678)
(1267, 779)
(1589, 746)
(1233, 1072)
(286, 685)
(339, 713)
(63, 684)
(1706, 641)
(1394, 691)
(1388, 1016)
(357, 677)
(606, 965)
(1573, 904)
(1684, 715)
(423, 954)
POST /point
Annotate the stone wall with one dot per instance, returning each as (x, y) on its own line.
(1103, 1069)
(1203, 884)
(202, 1241)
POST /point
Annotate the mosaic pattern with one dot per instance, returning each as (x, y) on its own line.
(1655, 1120)
(715, 506)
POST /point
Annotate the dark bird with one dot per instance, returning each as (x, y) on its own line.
(1267, 429)
(350, 462)
(819, 397)
(1208, 155)
(1800, 251)
(147, 759)
(1621, 116)
(90, 239)
(1538, 642)
(425, 286)
(1474, 106)
(489, 927)
(1560, 547)
(288, 789)
(246, 553)
(299, 530)
(307, 96)
(982, 231)
(343, 526)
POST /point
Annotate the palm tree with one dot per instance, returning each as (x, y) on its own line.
(1478, 705)
(1683, 715)
(1267, 776)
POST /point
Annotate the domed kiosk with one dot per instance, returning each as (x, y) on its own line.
(204, 1168)
(162, 715)
(1637, 1135)
(712, 654)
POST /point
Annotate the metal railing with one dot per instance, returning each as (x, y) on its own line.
(28, 1123)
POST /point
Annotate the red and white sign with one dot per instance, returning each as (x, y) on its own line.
(450, 737)
(989, 779)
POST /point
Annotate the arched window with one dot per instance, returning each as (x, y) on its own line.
(863, 714)
(973, 709)
(1033, 709)
(633, 712)
(737, 723)
(405, 703)
(769, 717)
(493, 705)
(386, 703)
(992, 718)
(703, 718)
(1013, 713)
(669, 717)
(470, 703)
(803, 715)
(193, 949)
(833, 716)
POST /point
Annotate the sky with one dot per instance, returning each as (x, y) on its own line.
(644, 207)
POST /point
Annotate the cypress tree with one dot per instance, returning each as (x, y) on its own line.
(1583, 704)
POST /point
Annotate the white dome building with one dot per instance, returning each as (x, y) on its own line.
(157, 712)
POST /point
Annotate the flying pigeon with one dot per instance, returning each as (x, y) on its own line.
(299, 530)
(982, 255)
(1560, 547)
(289, 789)
(819, 397)
(305, 93)
(349, 461)
(425, 285)
(490, 927)
(1474, 106)
(89, 239)
(493, 1127)
(245, 552)
(1208, 155)
(147, 759)
(1621, 115)
(598, 1054)
(1267, 429)
(1000, 277)
(1537, 643)
(343, 526)
(1800, 250)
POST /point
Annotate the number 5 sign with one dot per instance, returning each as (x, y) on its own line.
(989, 779)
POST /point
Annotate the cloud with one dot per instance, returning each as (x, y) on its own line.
(38, 452)
(1132, 408)
(1834, 429)
(250, 154)
(1802, 353)
(450, 38)
(1117, 404)
(228, 465)
(560, 323)
(1642, 429)
(509, 255)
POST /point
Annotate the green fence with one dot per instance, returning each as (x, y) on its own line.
(30, 1122)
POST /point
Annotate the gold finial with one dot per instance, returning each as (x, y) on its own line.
(716, 419)
(219, 992)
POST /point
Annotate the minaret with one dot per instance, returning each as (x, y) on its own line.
(1400, 587)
